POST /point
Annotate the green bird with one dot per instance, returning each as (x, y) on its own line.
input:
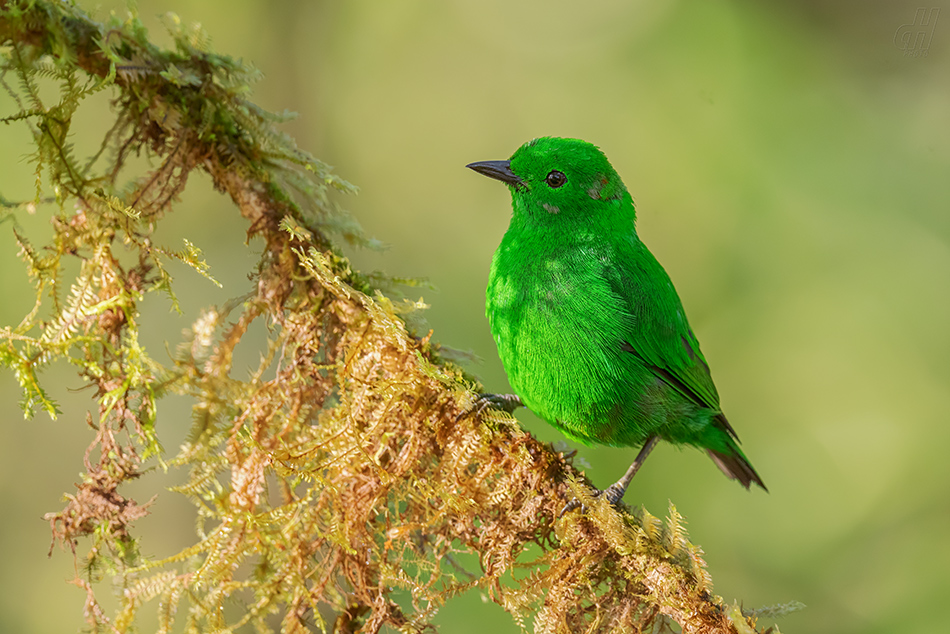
(588, 326)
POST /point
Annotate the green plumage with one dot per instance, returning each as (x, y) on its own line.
(588, 325)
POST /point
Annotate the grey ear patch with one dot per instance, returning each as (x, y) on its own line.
(597, 192)
(595, 189)
(551, 209)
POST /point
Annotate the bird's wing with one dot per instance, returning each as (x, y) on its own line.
(658, 332)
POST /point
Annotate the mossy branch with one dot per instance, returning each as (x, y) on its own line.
(350, 486)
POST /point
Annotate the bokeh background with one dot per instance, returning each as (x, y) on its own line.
(791, 169)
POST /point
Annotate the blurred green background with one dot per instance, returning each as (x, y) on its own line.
(790, 167)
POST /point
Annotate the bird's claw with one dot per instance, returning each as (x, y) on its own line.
(504, 402)
(573, 504)
(613, 494)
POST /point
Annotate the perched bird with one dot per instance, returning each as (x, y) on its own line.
(588, 325)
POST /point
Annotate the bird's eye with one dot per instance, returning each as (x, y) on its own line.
(555, 179)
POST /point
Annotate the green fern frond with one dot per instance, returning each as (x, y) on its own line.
(649, 523)
(34, 396)
(346, 473)
(114, 203)
(674, 536)
(82, 304)
(141, 592)
(191, 256)
(698, 567)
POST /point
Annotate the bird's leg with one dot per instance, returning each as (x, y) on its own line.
(505, 402)
(615, 491)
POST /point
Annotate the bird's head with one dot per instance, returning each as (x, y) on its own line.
(564, 178)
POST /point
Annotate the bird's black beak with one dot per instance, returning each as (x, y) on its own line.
(499, 170)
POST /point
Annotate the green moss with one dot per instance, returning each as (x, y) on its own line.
(351, 478)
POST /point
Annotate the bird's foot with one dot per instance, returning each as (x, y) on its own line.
(504, 402)
(616, 490)
(613, 494)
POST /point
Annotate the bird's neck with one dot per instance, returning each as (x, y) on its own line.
(570, 228)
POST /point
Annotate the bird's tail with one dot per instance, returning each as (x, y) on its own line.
(729, 458)
(736, 466)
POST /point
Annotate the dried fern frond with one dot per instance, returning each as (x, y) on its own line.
(344, 478)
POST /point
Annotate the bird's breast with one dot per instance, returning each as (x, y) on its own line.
(558, 327)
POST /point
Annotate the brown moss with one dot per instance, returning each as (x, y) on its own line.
(354, 472)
